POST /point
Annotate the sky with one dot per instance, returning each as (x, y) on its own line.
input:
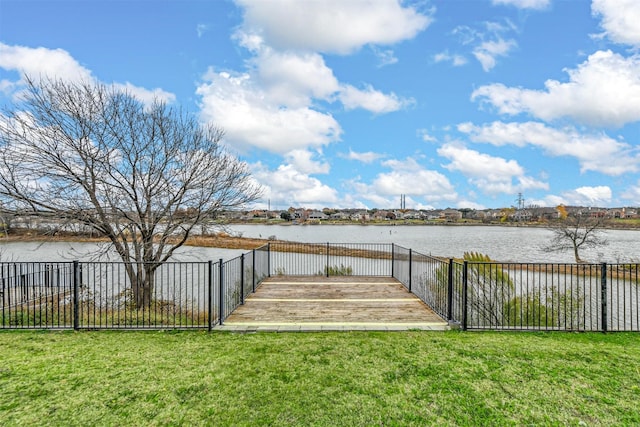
(354, 103)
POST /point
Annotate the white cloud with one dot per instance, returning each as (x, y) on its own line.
(603, 90)
(40, 61)
(475, 164)
(201, 29)
(287, 185)
(409, 177)
(488, 43)
(524, 4)
(59, 64)
(404, 177)
(487, 52)
(468, 204)
(335, 26)
(595, 152)
(8, 87)
(302, 161)
(249, 40)
(455, 59)
(492, 175)
(385, 56)
(632, 194)
(582, 196)
(426, 137)
(250, 119)
(366, 157)
(293, 79)
(371, 100)
(594, 196)
(363, 192)
(620, 19)
(146, 96)
(272, 106)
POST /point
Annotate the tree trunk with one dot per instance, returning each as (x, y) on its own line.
(142, 284)
(575, 253)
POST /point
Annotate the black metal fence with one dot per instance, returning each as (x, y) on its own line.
(566, 297)
(331, 259)
(524, 296)
(118, 295)
(185, 295)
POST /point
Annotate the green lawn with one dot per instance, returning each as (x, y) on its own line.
(341, 378)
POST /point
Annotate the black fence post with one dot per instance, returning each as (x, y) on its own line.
(76, 297)
(242, 279)
(221, 294)
(268, 259)
(393, 256)
(410, 259)
(450, 291)
(603, 295)
(253, 274)
(464, 295)
(210, 294)
(327, 267)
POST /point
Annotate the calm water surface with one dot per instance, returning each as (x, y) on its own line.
(69, 251)
(518, 244)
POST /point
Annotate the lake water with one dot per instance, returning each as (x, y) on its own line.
(70, 251)
(518, 244)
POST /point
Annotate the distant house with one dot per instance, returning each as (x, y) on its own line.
(360, 216)
(301, 214)
(522, 215)
(412, 215)
(616, 213)
(317, 215)
(474, 214)
(451, 215)
(433, 214)
(380, 215)
(549, 213)
(340, 216)
(597, 213)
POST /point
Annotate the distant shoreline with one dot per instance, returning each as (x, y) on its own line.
(635, 225)
(224, 240)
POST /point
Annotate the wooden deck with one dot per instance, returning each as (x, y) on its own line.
(334, 303)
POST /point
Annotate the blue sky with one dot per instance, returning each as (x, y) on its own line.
(351, 103)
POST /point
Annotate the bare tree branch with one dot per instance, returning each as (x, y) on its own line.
(575, 233)
(142, 175)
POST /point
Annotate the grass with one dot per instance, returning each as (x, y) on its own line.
(348, 379)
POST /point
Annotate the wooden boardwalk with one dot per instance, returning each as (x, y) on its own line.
(333, 303)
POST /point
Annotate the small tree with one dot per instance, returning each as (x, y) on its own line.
(576, 232)
(285, 216)
(142, 175)
(489, 288)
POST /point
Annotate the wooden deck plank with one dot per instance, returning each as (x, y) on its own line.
(375, 302)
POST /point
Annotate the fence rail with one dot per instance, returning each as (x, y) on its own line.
(201, 295)
(330, 259)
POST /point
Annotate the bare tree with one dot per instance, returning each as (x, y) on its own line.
(142, 175)
(576, 232)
